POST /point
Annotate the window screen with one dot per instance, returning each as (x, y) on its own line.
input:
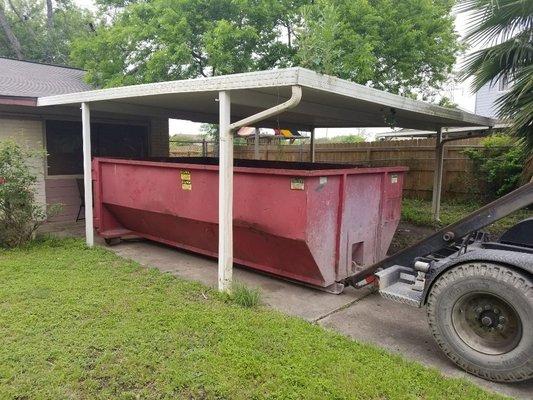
(64, 148)
(64, 144)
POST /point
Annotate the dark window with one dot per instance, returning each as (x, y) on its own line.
(64, 144)
(119, 141)
(64, 148)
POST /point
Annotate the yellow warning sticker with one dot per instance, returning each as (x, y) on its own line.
(297, 184)
(186, 183)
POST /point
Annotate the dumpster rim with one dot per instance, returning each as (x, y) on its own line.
(259, 171)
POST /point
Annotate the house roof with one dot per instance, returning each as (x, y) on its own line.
(31, 79)
(326, 101)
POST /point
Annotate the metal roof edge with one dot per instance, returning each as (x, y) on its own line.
(314, 80)
(246, 80)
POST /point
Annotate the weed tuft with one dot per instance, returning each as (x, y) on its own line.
(245, 296)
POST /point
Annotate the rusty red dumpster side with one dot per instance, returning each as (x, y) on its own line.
(311, 223)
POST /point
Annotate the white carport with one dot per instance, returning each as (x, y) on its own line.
(293, 98)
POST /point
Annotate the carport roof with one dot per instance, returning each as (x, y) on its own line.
(326, 102)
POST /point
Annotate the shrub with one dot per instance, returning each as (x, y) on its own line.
(245, 296)
(20, 215)
(500, 163)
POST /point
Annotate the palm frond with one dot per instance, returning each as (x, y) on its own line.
(503, 59)
(496, 20)
(516, 106)
(505, 29)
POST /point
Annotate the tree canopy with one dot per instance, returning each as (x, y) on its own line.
(404, 46)
(41, 30)
(178, 39)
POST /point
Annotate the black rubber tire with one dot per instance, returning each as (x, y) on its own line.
(515, 288)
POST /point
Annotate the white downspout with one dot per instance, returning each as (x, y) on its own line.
(295, 99)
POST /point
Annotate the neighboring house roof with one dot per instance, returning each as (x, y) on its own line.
(31, 79)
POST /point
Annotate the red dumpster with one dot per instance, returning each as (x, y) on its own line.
(312, 223)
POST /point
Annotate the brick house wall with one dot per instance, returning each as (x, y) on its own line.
(28, 132)
(64, 189)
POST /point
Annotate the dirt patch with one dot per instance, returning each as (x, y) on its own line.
(408, 234)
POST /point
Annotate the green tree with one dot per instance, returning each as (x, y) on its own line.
(351, 138)
(179, 39)
(406, 47)
(505, 29)
(43, 30)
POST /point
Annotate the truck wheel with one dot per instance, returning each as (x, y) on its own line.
(481, 316)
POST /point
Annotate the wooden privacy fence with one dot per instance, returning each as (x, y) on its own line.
(460, 181)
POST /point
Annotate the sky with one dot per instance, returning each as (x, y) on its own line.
(459, 93)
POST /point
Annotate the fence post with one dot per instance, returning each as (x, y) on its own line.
(256, 144)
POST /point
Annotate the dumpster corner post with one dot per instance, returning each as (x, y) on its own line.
(87, 173)
(225, 195)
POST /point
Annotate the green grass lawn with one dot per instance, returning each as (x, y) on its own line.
(418, 212)
(83, 323)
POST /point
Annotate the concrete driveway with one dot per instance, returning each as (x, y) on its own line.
(359, 314)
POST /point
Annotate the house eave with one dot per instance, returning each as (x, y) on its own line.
(18, 101)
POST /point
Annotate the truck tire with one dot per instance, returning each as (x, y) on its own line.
(481, 315)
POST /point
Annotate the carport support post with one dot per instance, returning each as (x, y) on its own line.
(225, 194)
(437, 177)
(87, 173)
(312, 146)
(256, 144)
